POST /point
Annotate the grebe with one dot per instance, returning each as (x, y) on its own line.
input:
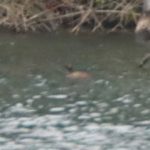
(78, 75)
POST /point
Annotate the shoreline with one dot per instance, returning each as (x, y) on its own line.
(51, 15)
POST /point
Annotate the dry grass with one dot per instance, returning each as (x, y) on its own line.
(26, 15)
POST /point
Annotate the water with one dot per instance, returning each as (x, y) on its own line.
(40, 109)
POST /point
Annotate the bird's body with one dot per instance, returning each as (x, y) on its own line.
(77, 75)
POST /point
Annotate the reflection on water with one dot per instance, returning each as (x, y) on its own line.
(41, 109)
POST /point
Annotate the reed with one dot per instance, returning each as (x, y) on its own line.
(48, 15)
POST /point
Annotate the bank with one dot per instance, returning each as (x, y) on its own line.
(49, 15)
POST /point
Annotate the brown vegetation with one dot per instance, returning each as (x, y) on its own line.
(26, 15)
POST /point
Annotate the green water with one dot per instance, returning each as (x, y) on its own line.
(40, 109)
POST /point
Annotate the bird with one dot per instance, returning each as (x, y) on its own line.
(142, 30)
(76, 74)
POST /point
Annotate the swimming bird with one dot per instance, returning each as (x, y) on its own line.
(77, 75)
(142, 30)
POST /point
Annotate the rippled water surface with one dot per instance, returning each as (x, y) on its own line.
(40, 109)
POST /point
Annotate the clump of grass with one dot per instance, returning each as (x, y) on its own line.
(26, 15)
